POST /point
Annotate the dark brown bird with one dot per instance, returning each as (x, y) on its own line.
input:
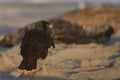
(35, 45)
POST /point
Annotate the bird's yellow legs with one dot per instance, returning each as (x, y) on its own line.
(42, 62)
(28, 73)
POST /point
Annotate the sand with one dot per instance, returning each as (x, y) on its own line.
(69, 62)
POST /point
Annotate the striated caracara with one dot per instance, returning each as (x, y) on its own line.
(35, 46)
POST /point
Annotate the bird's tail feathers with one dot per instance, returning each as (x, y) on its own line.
(28, 64)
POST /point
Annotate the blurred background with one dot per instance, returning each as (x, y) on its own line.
(18, 13)
(86, 18)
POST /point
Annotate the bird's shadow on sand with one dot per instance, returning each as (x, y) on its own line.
(39, 78)
(6, 75)
(112, 41)
(114, 56)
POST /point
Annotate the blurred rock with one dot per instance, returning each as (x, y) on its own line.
(65, 32)
(68, 32)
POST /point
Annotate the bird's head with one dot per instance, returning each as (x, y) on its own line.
(43, 25)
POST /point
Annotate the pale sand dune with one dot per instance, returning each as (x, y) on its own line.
(72, 62)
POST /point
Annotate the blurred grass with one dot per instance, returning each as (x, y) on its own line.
(93, 17)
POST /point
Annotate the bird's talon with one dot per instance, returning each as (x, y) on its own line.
(20, 70)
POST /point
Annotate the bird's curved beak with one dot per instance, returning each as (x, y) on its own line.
(50, 26)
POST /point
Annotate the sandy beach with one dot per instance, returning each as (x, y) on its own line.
(69, 62)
